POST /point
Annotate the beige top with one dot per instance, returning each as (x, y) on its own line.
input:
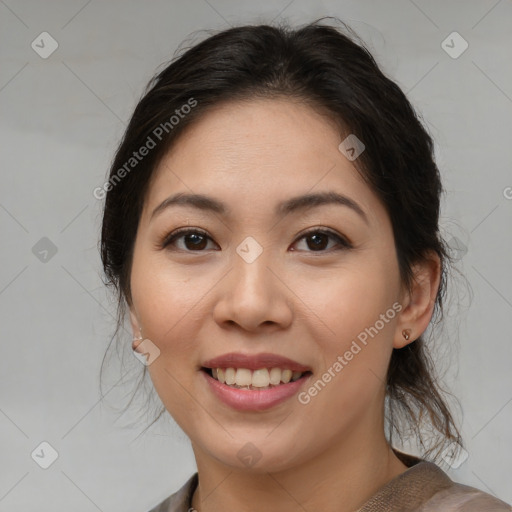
(424, 487)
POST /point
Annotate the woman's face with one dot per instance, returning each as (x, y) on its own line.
(256, 285)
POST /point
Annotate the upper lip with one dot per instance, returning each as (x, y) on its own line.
(255, 362)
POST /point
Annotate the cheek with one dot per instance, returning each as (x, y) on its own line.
(169, 309)
(349, 299)
(162, 292)
(352, 379)
(165, 305)
(355, 333)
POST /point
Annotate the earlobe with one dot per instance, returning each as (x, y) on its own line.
(406, 338)
(136, 329)
(421, 300)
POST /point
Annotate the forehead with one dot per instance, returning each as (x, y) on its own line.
(254, 154)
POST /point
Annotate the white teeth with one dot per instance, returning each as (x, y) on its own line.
(275, 376)
(243, 377)
(261, 378)
(286, 376)
(230, 376)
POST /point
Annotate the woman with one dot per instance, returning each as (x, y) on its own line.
(271, 222)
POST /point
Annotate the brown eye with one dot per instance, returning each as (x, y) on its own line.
(318, 240)
(193, 239)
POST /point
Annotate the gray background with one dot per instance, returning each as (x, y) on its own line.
(62, 117)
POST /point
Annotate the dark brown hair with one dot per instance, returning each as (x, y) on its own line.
(324, 67)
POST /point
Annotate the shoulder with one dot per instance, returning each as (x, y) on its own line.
(463, 498)
(425, 487)
(437, 492)
(180, 500)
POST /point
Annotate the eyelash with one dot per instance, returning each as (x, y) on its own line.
(343, 243)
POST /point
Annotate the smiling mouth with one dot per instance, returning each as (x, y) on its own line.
(263, 378)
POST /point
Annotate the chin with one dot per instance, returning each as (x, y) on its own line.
(257, 456)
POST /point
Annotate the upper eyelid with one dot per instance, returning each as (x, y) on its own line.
(186, 230)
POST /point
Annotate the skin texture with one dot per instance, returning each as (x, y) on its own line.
(294, 300)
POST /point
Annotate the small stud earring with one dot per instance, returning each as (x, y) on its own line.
(406, 334)
(136, 341)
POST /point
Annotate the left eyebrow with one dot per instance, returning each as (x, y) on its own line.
(319, 199)
(207, 203)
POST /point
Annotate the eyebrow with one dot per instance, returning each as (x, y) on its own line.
(299, 203)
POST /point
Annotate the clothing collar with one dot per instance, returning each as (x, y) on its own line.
(407, 491)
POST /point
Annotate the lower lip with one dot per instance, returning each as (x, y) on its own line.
(254, 399)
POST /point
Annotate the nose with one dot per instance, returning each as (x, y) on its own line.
(254, 295)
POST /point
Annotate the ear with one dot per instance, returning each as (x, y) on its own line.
(418, 303)
(136, 329)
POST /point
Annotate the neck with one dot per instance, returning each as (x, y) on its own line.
(341, 479)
